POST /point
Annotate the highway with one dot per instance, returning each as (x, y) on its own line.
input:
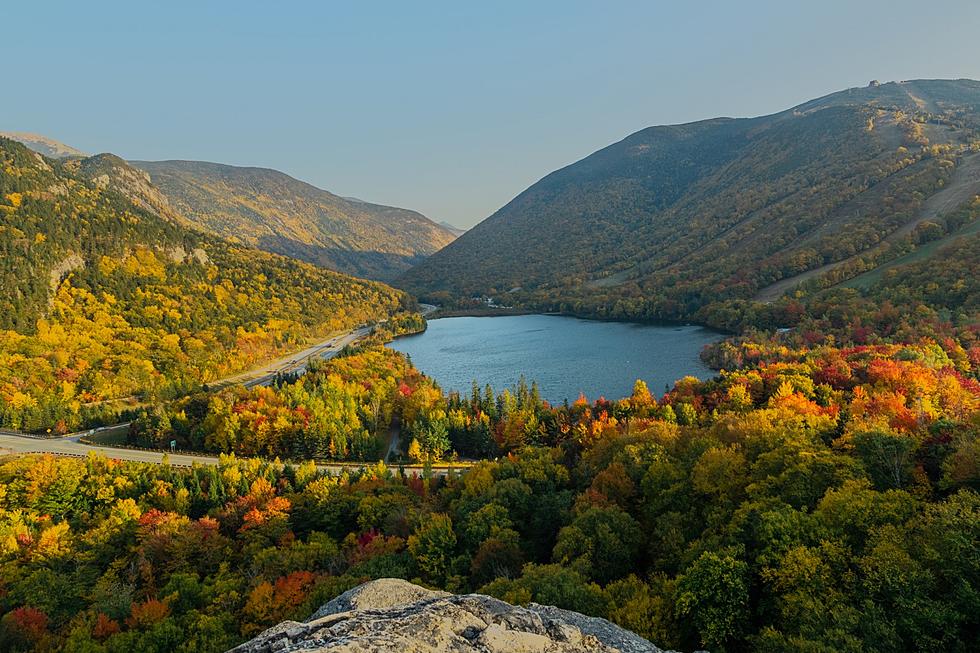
(295, 362)
(70, 445)
(13, 442)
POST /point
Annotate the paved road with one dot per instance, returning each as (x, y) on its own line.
(70, 445)
(295, 362)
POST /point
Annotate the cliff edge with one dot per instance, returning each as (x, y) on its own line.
(395, 615)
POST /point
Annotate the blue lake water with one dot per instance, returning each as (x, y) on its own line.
(565, 355)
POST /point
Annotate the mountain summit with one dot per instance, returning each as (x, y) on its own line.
(44, 145)
(675, 217)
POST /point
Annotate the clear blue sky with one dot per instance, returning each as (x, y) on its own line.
(449, 108)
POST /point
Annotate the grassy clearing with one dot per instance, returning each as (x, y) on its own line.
(112, 436)
(868, 279)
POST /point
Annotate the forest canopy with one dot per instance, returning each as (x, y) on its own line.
(820, 499)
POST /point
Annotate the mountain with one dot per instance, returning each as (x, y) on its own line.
(393, 615)
(109, 171)
(272, 211)
(456, 231)
(674, 218)
(107, 293)
(43, 145)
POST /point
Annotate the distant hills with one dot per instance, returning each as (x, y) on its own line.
(275, 212)
(673, 218)
(270, 210)
(455, 230)
(44, 145)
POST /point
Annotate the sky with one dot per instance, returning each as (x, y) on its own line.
(449, 108)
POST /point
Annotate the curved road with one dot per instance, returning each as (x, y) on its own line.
(296, 362)
(13, 442)
(70, 446)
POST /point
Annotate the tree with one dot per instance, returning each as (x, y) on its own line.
(714, 593)
(645, 608)
(415, 451)
(686, 414)
(887, 457)
(602, 543)
(25, 627)
(499, 555)
(551, 585)
(962, 467)
(433, 546)
(435, 439)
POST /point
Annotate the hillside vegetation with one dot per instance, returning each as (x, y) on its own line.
(815, 498)
(105, 294)
(272, 211)
(819, 494)
(674, 218)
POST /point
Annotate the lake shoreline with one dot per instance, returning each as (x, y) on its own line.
(567, 355)
(510, 312)
(483, 312)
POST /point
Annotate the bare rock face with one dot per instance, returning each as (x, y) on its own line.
(377, 595)
(394, 615)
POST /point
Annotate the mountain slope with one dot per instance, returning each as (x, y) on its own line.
(270, 210)
(103, 294)
(676, 217)
(44, 145)
(456, 231)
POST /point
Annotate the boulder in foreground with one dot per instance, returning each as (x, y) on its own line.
(394, 615)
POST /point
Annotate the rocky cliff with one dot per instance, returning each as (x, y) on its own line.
(394, 615)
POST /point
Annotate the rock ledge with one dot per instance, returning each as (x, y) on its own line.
(394, 615)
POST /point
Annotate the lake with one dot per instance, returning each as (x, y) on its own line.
(565, 355)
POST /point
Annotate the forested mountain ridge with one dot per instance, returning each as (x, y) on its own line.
(275, 212)
(110, 171)
(675, 218)
(106, 294)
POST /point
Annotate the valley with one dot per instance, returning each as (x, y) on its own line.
(223, 408)
(110, 295)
